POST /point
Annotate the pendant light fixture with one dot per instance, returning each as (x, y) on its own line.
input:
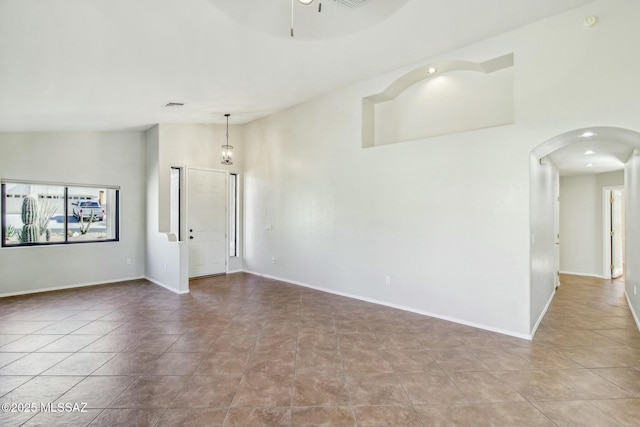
(227, 150)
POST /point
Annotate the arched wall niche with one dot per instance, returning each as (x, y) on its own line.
(438, 99)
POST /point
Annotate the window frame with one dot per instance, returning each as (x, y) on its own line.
(176, 202)
(66, 200)
(234, 205)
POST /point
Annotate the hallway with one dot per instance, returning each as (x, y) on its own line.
(245, 350)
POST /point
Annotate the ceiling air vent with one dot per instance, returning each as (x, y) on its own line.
(351, 4)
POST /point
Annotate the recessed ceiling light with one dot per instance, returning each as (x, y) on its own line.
(589, 152)
(590, 21)
(590, 165)
(588, 134)
(432, 70)
(305, 1)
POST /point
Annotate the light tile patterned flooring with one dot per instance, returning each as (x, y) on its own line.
(244, 350)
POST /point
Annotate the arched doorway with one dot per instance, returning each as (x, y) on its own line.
(585, 150)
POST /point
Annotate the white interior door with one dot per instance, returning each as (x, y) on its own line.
(617, 234)
(206, 222)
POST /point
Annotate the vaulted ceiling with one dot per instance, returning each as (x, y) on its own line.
(114, 64)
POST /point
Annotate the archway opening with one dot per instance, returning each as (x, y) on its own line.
(594, 155)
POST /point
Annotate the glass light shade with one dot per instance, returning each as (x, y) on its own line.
(227, 155)
(305, 1)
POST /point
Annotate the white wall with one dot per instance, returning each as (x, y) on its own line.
(582, 222)
(544, 178)
(163, 257)
(446, 217)
(632, 250)
(430, 214)
(101, 158)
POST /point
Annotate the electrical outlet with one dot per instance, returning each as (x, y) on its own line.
(387, 280)
(273, 260)
(128, 261)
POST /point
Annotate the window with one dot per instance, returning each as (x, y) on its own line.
(35, 213)
(175, 202)
(233, 214)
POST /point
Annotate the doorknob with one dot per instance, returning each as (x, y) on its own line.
(191, 237)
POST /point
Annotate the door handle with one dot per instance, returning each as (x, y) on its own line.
(191, 237)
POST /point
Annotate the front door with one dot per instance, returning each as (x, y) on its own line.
(206, 226)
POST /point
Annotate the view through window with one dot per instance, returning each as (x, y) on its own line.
(41, 213)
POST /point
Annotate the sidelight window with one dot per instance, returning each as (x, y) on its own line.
(233, 214)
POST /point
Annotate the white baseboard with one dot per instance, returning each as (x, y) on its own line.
(399, 307)
(633, 313)
(60, 288)
(572, 273)
(235, 271)
(167, 287)
(546, 307)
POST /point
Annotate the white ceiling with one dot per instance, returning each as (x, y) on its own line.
(113, 64)
(602, 149)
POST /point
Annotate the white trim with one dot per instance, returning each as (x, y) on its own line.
(236, 271)
(606, 225)
(606, 233)
(544, 311)
(633, 313)
(572, 273)
(399, 307)
(156, 282)
(60, 288)
(61, 184)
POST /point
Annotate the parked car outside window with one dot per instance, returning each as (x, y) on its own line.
(88, 210)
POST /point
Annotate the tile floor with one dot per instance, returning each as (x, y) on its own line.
(241, 350)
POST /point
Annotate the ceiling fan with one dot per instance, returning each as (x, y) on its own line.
(351, 4)
(348, 3)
